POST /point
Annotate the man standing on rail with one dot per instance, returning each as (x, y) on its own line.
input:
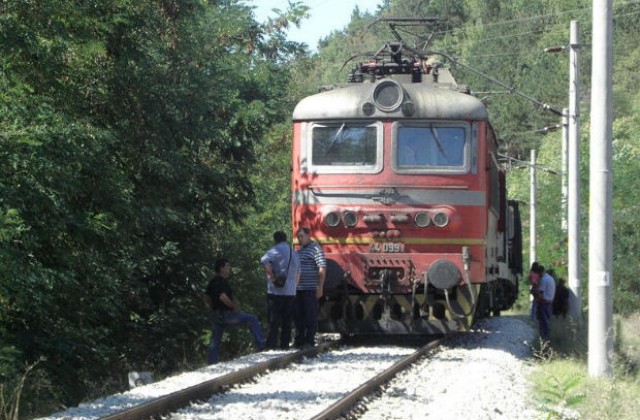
(282, 260)
(225, 312)
(313, 267)
(546, 293)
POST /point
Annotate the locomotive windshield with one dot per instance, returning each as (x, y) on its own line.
(430, 147)
(344, 145)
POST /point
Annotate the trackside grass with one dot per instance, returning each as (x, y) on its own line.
(562, 385)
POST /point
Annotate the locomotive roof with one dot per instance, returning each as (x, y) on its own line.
(432, 100)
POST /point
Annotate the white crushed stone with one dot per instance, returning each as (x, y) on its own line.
(300, 391)
(480, 375)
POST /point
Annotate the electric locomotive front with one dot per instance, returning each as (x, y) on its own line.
(396, 176)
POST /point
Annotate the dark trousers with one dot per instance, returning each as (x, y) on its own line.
(279, 312)
(544, 319)
(305, 317)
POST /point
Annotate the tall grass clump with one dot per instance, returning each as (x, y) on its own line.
(562, 385)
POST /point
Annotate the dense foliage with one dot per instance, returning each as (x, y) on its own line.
(139, 140)
(129, 133)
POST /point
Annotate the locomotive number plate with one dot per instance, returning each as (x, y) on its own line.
(391, 247)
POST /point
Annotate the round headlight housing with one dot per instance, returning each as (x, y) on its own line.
(422, 219)
(441, 219)
(388, 95)
(350, 218)
(332, 219)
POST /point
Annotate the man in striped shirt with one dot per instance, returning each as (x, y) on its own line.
(312, 274)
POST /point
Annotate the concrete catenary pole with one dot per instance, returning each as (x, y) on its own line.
(600, 359)
(574, 234)
(532, 210)
(565, 164)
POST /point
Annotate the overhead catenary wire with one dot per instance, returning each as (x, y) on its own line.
(511, 89)
(571, 12)
(547, 129)
(586, 10)
(455, 61)
(400, 23)
(527, 164)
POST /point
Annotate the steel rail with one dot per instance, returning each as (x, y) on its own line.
(176, 400)
(346, 403)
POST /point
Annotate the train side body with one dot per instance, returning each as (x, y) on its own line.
(397, 178)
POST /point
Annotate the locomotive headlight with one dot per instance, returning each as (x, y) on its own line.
(388, 95)
(332, 219)
(368, 109)
(422, 219)
(441, 219)
(350, 218)
(408, 109)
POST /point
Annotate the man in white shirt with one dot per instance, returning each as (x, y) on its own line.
(280, 259)
(546, 293)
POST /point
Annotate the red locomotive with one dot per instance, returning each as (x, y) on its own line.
(396, 174)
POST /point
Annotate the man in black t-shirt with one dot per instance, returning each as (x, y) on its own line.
(225, 312)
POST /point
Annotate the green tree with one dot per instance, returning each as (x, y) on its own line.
(129, 136)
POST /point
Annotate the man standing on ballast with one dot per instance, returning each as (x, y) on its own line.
(313, 267)
(225, 312)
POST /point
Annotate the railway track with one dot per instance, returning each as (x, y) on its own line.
(335, 401)
(321, 382)
(344, 405)
(331, 362)
(482, 371)
(176, 400)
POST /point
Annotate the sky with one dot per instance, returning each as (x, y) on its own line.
(325, 16)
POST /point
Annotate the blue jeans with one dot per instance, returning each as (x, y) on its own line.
(221, 319)
(305, 317)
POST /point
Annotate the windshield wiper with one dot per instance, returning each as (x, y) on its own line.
(335, 138)
(434, 133)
